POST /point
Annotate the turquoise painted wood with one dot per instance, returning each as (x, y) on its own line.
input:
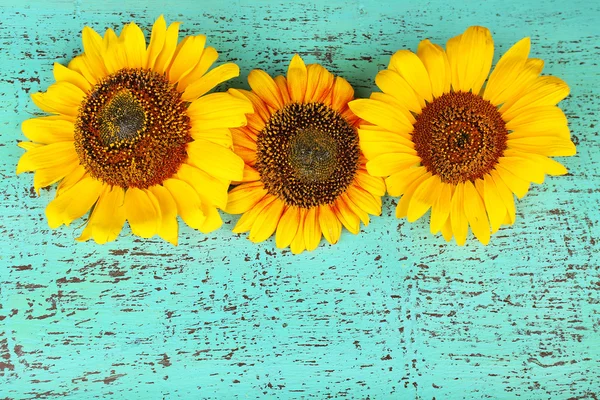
(392, 313)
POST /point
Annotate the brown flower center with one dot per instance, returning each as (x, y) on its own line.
(307, 154)
(132, 129)
(460, 137)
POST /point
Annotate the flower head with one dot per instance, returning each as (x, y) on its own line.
(304, 174)
(450, 138)
(134, 135)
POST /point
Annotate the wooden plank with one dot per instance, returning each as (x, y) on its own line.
(390, 313)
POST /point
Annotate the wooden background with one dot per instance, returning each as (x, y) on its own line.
(392, 313)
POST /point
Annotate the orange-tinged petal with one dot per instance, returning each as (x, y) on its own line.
(331, 227)
(287, 227)
(246, 221)
(265, 87)
(341, 94)
(266, 222)
(319, 83)
(312, 229)
(297, 79)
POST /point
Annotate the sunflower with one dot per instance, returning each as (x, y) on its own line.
(446, 140)
(135, 137)
(304, 174)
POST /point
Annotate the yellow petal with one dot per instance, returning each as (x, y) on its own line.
(411, 68)
(525, 169)
(266, 222)
(47, 176)
(114, 52)
(163, 60)
(397, 105)
(220, 136)
(208, 57)
(61, 98)
(547, 165)
(312, 229)
(48, 130)
(424, 197)
(517, 185)
(543, 145)
(108, 217)
(265, 87)
(186, 56)
(537, 119)
(494, 205)
(475, 212)
(521, 76)
(382, 114)
(212, 220)
(441, 209)
(218, 161)
(74, 202)
(188, 202)
(510, 66)
(506, 195)
(47, 156)
(287, 227)
(64, 74)
(405, 200)
(79, 65)
(92, 46)
(297, 79)
(142, 210)
(398, 182)
(244, 197)
(472, 59)
(436, 63)
(168, 227)
(208, 82)
(392, 83)
(458, 219)
(545, 91)
(210, 189)
(134, 44)
(157, 41)
(372, 150)
(447, 230)
(71, 179)
(219, 110)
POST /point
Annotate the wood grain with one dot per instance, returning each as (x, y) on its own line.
(391, 313)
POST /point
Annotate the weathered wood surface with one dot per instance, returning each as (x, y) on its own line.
(390, 313)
